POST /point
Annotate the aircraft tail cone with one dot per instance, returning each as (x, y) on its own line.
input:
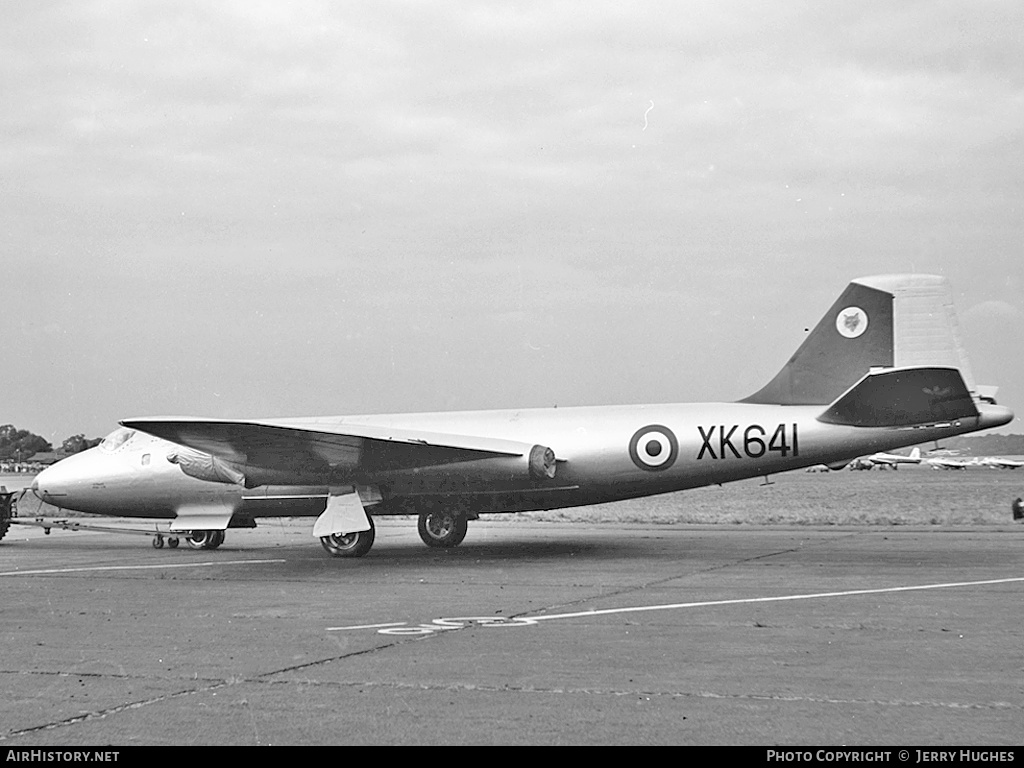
(992, 416)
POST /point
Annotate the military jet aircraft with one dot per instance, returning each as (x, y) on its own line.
(883, 369)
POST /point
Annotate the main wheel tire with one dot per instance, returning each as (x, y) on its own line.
(204, 539)
(444, 528)
(349, 544)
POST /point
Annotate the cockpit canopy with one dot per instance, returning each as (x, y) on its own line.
(116, 439)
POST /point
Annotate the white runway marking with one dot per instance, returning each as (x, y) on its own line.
(134, 567)
(442, 625)
(781, 598)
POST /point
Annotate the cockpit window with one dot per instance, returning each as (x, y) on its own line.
(116, 439)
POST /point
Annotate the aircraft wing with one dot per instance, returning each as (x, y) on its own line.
(303, 448)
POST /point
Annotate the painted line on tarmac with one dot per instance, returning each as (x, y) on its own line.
(781, 598)
(134, 567)
(371, 626)
(443, 625)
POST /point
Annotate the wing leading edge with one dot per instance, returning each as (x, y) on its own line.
(279, 451)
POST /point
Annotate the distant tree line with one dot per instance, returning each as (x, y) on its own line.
(21, 445)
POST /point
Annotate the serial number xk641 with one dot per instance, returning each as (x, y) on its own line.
(723, 441)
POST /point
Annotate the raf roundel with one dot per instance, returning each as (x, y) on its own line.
(851, 322)
(653, 448)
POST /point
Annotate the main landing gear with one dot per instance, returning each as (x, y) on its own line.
(439, 528)
(349, 544)
(203, 539)
(444, 528)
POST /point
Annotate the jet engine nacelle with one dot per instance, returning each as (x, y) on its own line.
(535, 468)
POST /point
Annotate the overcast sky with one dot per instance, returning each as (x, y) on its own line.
(280, 209)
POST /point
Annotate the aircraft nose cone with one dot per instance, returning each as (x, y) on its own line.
(43, 485)
(56, 483)
(82, 482)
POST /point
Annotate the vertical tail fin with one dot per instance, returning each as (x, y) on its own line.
(877, 322)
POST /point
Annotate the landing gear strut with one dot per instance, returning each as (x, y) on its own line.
(204, 539)
(443, 528)
(349, 544)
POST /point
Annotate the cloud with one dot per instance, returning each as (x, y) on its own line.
(994, 311)
(289, 176)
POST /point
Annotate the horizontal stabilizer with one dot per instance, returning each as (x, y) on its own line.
(903, 397)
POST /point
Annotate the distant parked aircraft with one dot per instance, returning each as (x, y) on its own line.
(997, 462)
(882, 369)
(895, 459)
(944, 462)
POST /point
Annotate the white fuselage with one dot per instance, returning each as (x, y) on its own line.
(604, 453)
